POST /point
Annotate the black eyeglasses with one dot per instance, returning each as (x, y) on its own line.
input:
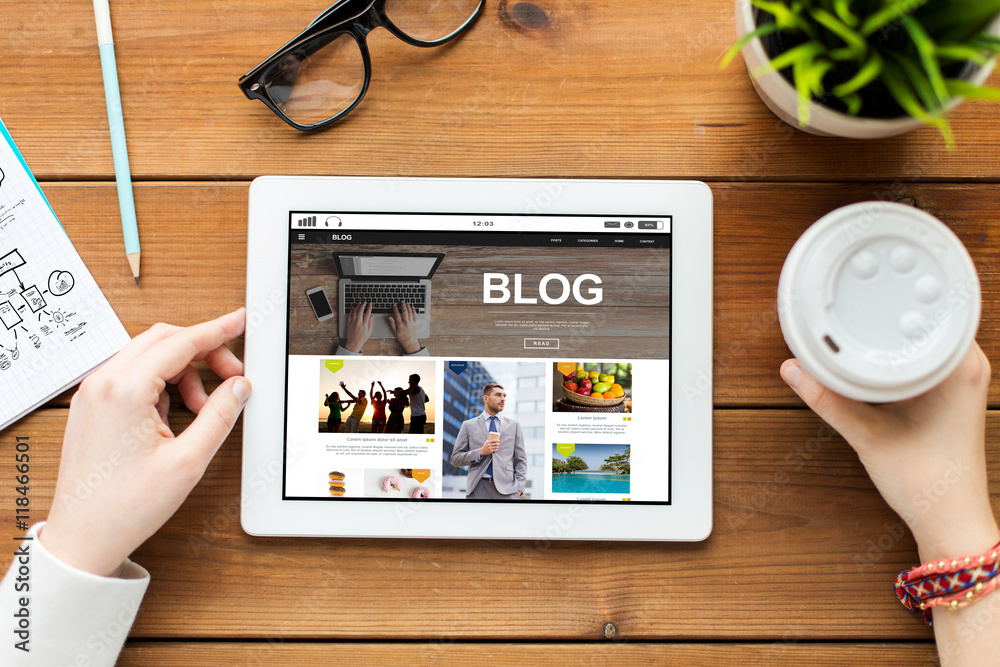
(324, 73)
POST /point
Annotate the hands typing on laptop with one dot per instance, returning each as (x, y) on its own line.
(402, 322)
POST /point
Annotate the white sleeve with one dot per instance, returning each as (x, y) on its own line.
(62, 615)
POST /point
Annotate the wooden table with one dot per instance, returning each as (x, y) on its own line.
(799, 567)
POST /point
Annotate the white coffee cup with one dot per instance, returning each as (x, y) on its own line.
(879, 301)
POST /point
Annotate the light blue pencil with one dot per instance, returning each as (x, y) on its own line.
(117, 124)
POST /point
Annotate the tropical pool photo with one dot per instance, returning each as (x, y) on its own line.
(582, 482)
(585, 469)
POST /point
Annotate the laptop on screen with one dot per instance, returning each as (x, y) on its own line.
(382, 279)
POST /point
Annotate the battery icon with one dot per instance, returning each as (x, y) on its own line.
(650, 224)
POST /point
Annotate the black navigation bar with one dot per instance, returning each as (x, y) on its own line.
(488, 239)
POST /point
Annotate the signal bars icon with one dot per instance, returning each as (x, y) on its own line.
(307, 222)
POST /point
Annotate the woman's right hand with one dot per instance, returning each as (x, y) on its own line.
(926, 455)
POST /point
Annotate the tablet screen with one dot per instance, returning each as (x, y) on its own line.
(531, 362)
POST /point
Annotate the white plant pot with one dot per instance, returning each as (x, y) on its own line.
(781, 98)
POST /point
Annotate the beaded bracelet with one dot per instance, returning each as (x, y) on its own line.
(950, 583)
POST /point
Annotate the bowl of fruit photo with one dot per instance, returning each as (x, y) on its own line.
(595, 388)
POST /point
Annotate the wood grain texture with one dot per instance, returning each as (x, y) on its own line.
(194, 267)
(584, 89)
(606, 653)
(795, 522)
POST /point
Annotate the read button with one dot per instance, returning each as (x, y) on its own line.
(545, 343)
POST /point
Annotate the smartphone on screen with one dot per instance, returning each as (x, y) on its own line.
(320, 304)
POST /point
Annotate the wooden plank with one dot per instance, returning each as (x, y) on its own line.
(796, 520)
(199, 229)
(585, 89)
(444, 652)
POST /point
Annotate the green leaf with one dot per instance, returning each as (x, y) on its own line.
(957, 20)
(841, 54)
(814, 72)
(765, 29)
(893, 10)
(866, 74)
(901, 91)
(786, 17)
(986, 42)
(918, 80)
(926, 48)
(842, 8)
(960, 88)
(853, 103)
(802, 88)
(800, 53)
(961, 52)
(855, 42)
(945, 129)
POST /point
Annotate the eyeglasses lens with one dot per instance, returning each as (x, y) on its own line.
(318, 80)
(430, 20)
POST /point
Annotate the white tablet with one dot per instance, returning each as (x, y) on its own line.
(479, 358)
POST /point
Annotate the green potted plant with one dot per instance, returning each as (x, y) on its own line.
(868, 68)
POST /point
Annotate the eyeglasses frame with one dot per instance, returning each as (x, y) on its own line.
(331, 22)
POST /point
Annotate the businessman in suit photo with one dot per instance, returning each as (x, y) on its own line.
(493, 447)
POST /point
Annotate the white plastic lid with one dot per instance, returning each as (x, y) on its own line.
(879, 301)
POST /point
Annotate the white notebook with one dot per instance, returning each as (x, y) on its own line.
(55, 324)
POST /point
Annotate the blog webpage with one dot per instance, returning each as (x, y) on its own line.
(397, 323)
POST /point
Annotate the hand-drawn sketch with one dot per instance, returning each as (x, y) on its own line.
(7, 212)
(60, 282)
(19, 302)
(33, 298)
(8, 315)
(55, 324)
